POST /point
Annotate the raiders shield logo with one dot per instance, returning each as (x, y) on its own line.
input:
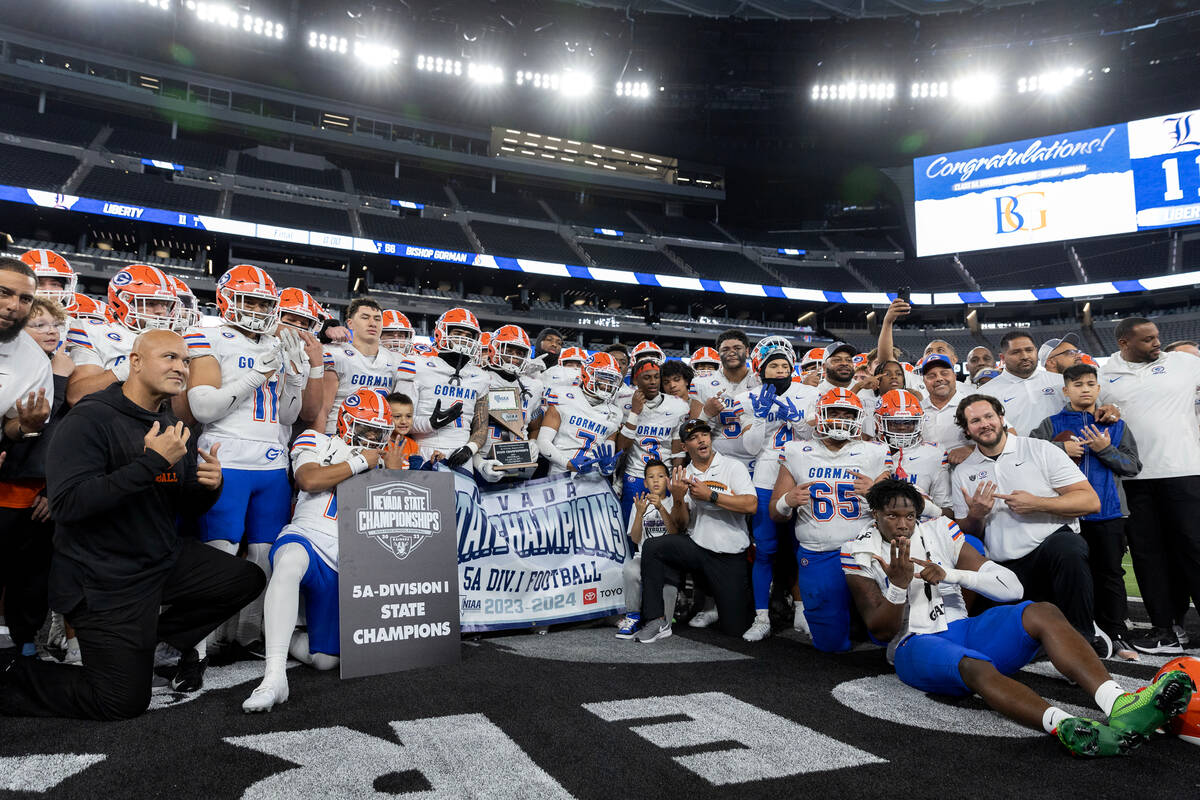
(399, 516)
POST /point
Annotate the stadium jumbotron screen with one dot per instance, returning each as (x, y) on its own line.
(1096, 182)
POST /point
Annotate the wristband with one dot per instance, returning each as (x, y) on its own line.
(317, 372)
(632, 421)
(895, 595)
(474, 448)
(358, 463)
(782, 506)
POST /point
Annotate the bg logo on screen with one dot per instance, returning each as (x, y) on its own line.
(1020, 212)
(400, 517)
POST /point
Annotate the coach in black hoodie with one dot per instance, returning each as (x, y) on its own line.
(120, 472)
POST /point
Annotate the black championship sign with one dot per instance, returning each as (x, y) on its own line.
(397, 571)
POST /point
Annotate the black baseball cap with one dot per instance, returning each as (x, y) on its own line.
(692, 426)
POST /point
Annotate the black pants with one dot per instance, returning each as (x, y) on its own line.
(1106, 544)
(726, 577)
(1164, 541)
(205, 588)
(1057, 571)
(25, 550)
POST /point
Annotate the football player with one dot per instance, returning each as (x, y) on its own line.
(300, 315)
(899, 423)
(907, 578)
(509, 350)
(398, 332)
(712, 396)
(187, 314)
(56, 280)
(450, 393)
(360, 364)
(820, 484)
(85, 308)
(651, 428)
(705, 361)
(245, 388)
(141, 298)
(305, 556)
(566, 371)
(772, 416)
(579, 428)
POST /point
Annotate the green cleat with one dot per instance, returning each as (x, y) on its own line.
(1090, 739)
(1142, 712)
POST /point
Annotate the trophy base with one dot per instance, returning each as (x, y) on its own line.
(513, 455)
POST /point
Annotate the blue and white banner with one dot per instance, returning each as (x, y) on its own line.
(1067, 186)
(538, 553)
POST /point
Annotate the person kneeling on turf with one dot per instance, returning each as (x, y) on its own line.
(305, 556)
(937, 648)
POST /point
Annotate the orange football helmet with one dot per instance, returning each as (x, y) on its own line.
(49, 264)
(576, 355)
(838, 427)
(301, 303)
(142, 297)
(601, 377)
(813, 359)
(509, 349)
(244, 282)
(898, 418)
(458, 331)
(647, 351)
(365, 420)
(705, 360)
(188, 313)
(85, 307)
(769, 346)
(397, 333)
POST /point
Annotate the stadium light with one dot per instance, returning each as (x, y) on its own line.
(577, 84)
(485, 74)
(323, 41)
(976, 89)
(439, 65)
(930, 89)
(1051, 82)
(232, 19)
(636, 89)
(161, 5)
(376, 54)
(853, 90)
(538, 80)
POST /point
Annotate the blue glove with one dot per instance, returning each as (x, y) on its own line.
(415, 461)
(790, 412)
(582, 464)
(763, 402)
(607, 457)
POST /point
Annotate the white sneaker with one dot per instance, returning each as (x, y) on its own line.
(800, 622)
(1181, 634)
(56, 636)
(758, 631)
(73, 656)
(653, 631)
(269, 694)
(703, 619)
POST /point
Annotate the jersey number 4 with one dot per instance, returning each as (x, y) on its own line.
(829, 501)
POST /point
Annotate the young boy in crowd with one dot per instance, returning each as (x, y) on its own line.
(651, 517)
(1105, 452)
(676, 379)
(402, 417)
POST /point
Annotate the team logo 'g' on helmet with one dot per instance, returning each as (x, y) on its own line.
(240, 284)
(302, 304)
(509, 349)
(365, 420)
(839, 427)
(143, 298)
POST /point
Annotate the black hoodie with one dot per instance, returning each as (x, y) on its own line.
(115, 503)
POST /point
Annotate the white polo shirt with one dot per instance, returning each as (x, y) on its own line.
(25, 368)
(1027, 401)
(1157, 401)
(712, 527)
(940, 428)
(1037, 466)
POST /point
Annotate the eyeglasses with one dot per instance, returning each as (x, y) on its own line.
(1068, 353)
(40, 326)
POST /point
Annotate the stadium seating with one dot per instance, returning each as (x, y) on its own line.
(414, 189)
(800, 240)
(1190, 259)
(831, 278)
(145, 144)
(35, 169)
(508, 204)
(631, 258)
(415, 230)
(1021, 267)
(49, 127)
(508, 240)
(593, 216)
(285, 173)
(1124, 258)
(860, 240)
(148, 190)
(936, 274)
(723, 265)
(682, 227)
(290, 215)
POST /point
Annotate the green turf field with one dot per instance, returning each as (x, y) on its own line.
(1131, 587)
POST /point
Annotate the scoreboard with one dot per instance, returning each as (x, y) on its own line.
(1113, 179)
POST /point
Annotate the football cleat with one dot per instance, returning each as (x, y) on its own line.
(759, 630)
(1143, 712)
(266, 695)
(1091, 739)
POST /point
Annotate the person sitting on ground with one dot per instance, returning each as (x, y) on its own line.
(907, 578)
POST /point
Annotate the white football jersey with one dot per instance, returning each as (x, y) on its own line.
(624, 399)
(105, 344)
(582, 426)
(355, 371)
(774, 431)
(558, 377)
(530, 392)
(250, 431)
(316, 512)
(926, 467)
(727, 426)
(657, 429)
(835, 513)
(434, 382)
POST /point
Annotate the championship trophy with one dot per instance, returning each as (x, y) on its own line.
(513, 450)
